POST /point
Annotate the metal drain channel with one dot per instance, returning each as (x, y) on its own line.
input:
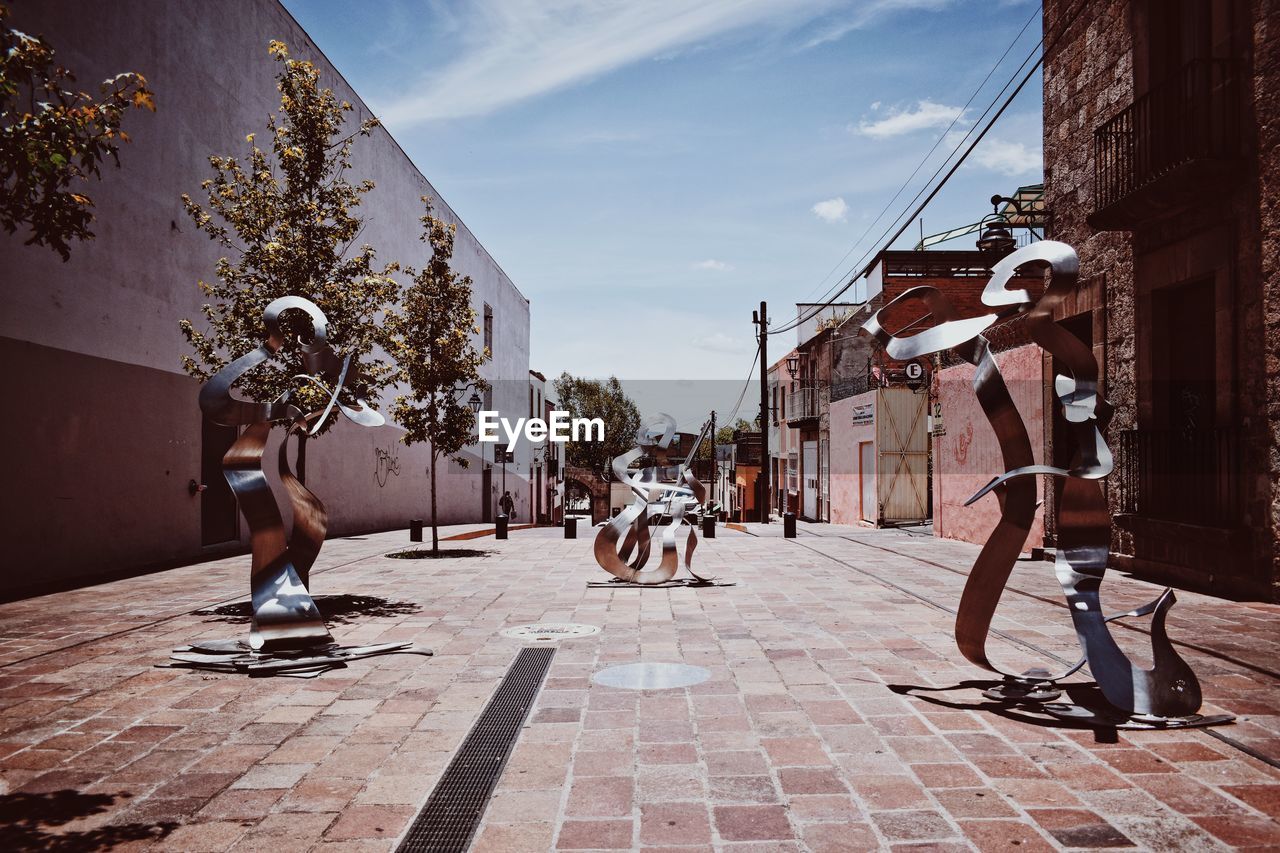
(454, 809)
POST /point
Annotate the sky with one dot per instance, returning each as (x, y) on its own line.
(648, 171)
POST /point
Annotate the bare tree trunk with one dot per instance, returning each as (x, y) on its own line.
(435, 537)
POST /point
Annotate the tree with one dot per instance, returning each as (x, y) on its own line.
(288, 220)
(604, 399)
(431, 339)
(54, 139)
(724, 435)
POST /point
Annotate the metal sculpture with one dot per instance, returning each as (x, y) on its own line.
(1168, 695)
(287, 634)
(663, 490)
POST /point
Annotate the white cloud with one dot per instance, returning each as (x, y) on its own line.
(512, 50)
(867, 13)
(1008, 158)
(831, 210)
(927, 114)
(714, 265)
(720, 342)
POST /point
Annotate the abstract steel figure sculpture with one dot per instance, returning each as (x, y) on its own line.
(284, 614)
(1168, 695)
(674, 487)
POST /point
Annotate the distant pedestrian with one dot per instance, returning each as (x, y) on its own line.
(507, 505)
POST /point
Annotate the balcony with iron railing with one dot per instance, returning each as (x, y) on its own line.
(804, 407)
(747, 447)
(1169, 147)
(1189, 477)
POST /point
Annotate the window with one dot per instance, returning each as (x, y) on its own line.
(488, 329)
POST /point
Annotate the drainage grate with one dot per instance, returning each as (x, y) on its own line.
(451, 815)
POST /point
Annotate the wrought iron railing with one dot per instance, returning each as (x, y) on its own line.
(1192, 116)
(748, 448)
(1194, 477)
(859, 384)
(803, 403)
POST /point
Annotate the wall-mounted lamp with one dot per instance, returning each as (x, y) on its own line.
(996, 237)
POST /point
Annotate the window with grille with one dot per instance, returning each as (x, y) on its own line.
(488, 328)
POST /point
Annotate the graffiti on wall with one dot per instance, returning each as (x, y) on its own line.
(386, 466)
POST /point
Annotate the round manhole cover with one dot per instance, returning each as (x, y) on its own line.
(550, 632)
(651, 676)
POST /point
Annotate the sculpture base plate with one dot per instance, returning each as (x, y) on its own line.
(1018, 690)
(1117, 719)
(694, 583)
(236, 656)
(1034, 685)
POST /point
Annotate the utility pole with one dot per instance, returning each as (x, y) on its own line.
(762, 481)
(715, 463)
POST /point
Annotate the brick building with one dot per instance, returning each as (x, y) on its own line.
(834, 459)
(1160, 139)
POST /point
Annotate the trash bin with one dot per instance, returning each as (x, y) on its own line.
(415, 530)
(789, 525)
(709, 526)
(571, 527)
(501, 532)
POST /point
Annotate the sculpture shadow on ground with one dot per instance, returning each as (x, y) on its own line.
(29, 821)
(442, 554)
(1085, 695)
(337, 609)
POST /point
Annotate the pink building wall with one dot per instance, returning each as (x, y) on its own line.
(845, 438)
(967, 456)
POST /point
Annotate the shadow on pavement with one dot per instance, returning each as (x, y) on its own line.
(29, 821)
(337, 609)
(1085, 695)
(442, 554)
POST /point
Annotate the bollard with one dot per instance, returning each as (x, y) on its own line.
(415, 530)
(709, 526)
(789, 525)
(571, 527)
(501, 532)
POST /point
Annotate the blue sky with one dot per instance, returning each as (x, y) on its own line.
(646, 172)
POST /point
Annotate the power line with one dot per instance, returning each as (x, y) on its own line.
(745, 385)
(911, 217)
(929, 154)
(1038, 63)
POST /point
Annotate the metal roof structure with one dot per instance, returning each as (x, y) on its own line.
(1034, 215)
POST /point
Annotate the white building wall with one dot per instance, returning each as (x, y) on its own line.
(105, 423)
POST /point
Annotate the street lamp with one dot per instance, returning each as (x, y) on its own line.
(996, 240)
(793, 365)
(475, 402)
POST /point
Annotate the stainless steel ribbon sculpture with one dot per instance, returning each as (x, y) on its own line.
(284, 614)
(1167, 695)
(622, 546)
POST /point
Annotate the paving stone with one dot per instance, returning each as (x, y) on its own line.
(370, 822)
(595, 835)
(674, 823)
(752, 823)
(601, 796)
(800, 739)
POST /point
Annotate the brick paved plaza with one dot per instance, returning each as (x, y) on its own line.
(804, 737)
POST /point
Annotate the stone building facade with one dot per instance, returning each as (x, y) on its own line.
(107, 431)
(1160, 140)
